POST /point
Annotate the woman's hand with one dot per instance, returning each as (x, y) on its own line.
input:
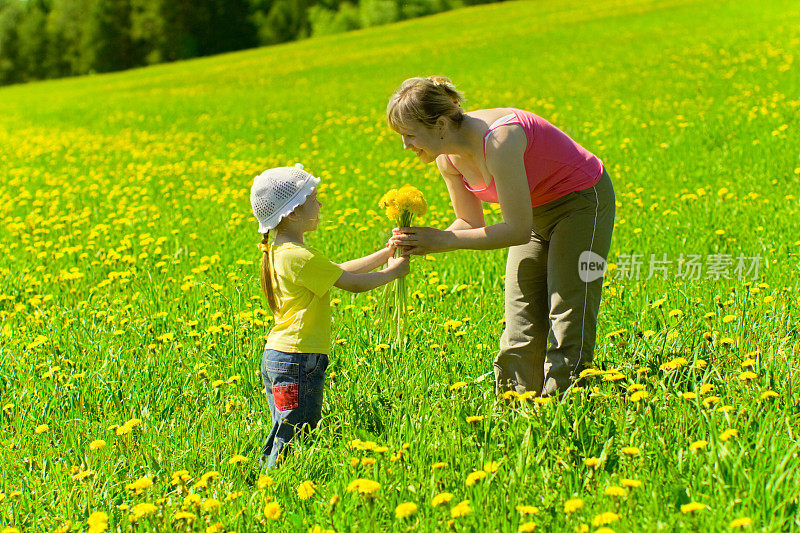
(419, 240)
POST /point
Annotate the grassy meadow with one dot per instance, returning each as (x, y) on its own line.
(132, 321)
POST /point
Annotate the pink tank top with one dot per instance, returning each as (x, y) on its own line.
(555, 165)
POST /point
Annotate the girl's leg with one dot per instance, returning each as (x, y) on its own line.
(294, 383)
(519, 365)
(313, 386)
(573, 287)
(280, 373)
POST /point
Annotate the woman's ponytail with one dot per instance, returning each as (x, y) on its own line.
(266, 274)
(424, 100)
(448, 88)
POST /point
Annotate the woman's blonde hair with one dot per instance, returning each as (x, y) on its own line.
(424, 100)
(266, 275)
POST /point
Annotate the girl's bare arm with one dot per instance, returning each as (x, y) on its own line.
(369, 262)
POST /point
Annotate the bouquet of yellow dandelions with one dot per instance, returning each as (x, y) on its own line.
(401, 206)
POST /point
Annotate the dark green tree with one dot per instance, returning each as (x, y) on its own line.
(11, 15)
(32, 41)
(66, 25)
(107, 37)
(287, 20)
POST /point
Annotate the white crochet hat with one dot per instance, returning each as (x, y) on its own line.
(277, 192)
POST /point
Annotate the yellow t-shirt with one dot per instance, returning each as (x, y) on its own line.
(302, 279)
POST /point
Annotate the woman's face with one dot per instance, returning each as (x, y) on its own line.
(423, 141)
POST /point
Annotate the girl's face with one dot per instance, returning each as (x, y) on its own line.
(308, 212)
(425, 142)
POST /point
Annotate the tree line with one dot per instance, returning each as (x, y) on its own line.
(42, 39)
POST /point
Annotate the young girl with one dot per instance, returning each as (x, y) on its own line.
(296, 280)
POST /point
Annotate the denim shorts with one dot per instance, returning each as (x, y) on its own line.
(294, 384)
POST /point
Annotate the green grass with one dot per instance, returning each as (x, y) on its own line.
(128, 261)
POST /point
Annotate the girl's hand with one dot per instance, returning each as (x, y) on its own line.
(400, 265)
(418, 240)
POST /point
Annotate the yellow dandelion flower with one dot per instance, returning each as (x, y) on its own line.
(264, 482)
(526, 527)
(747, 376)
(674, 363)
(728, 434)
(43, 428)
(527, 509)
(711, 400)
(630, 450)
(461, 509)
(458, 385)
(591, 461)
(191, 500)
(698, 445)
(364, 486)
(141, 510)
(692, 507)
(741, 522)
(491, 467)
(769, 394)
(728, 318)
(306, 490)
(184, 515)
(475, 418)
(705, 388)
(443, 497)
(210, 504)
(179, 477)
(631, 483)
(570, 506)
(272, 511)
(80, 476)
(213, 474)
(236, 459)
(140, 485)
(604, 519)
(590, 372)
(474, 477)
(639, 395)
(126, 428)
(97, 521)
(405, 509)
(98, 444)
(615, 491)
(689, 395)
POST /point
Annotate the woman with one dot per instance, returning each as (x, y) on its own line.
(558, 208)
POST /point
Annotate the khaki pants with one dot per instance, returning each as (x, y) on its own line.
(551, 293)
